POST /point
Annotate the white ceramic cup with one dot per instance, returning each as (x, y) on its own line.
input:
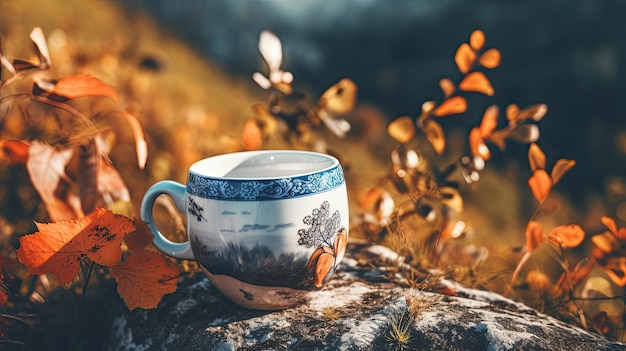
(266, 227)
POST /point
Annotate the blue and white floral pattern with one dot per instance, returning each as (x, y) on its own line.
(264, 189)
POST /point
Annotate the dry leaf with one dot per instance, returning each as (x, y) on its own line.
(57, 248)
(560, 168)
(525, 133)
(615, 268)
(141, 146)
(511, 112)
(540, 184)
(41, 47)
(534, 112)
(477, 145)
(46, 169)
(79, 85)
(537, 281)
(340, 98)
(490, 58)
(609, 223)
(140, 237)
(144, 278)
(536, 157)
(464, 58)
(489, 121)
(451, 106)
(251, 136)
(271, 50)
(606, 242)
(567, 236)
(534, 235)
(447, 87)
(402, 129)
(477, 40)
(434, 134)
(14, 152)
(477, 82)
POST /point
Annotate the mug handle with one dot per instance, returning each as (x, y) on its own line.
(178, 193)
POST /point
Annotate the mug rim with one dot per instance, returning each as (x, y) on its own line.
(264, 188)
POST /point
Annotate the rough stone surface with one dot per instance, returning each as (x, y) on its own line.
(356, 311)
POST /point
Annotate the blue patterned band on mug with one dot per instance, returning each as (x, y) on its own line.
(264, 189)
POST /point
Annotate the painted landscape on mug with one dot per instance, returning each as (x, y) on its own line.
(255, 264)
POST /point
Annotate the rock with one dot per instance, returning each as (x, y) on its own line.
(360, 309)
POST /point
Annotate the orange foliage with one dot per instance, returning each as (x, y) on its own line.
(58, 248)
(567, 236)
(477, 82)
(540, 184)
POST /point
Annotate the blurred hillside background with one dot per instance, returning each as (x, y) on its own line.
(570, 55)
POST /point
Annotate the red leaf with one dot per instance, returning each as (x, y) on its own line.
(144, 278)
(540, 184)
(57, 248)
(477, 82)
(81, 85)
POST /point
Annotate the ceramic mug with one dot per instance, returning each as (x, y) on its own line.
(266, 227)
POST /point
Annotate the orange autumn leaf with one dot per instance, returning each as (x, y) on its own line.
(14, 152)
(536, 157)
(144, 278)
(616, 270)
(251, 136)
(477, 145)
(512, 111)
(477, 82)
(57, 248)
(560, 168)
(540, 184)
(609, 223)
(534, 235)
(434, 134)
(464, 58)
(46, 169)
(489, 121)
(477, 40)
(567, 236)
(402, 129)
(140, 237)
(490, 58)
(447, 87)
(451, 106)
(80, 85)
